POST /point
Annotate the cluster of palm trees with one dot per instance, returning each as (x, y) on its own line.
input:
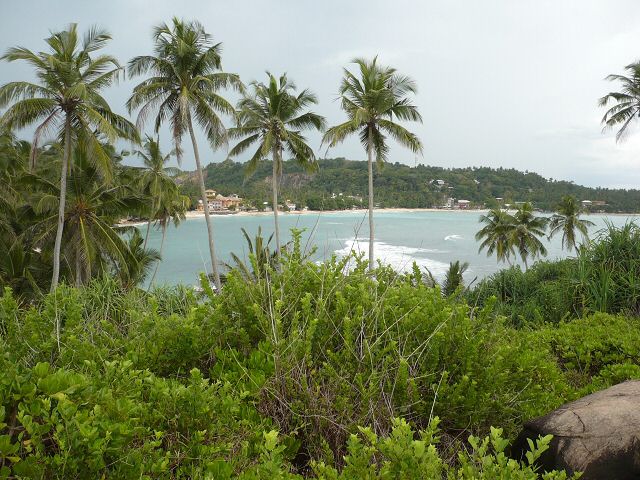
(508, 235)
(65, 221)
(183, 88)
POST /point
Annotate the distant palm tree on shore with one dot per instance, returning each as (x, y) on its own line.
(495, 235)
(157, 179)
(505, 234)
(567, 221)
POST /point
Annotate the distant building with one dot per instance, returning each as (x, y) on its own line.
(464, 204)
(211, 194)
(219, 202)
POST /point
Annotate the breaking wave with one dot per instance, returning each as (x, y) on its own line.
(399, 257)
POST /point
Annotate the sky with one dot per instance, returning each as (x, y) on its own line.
(501, 83)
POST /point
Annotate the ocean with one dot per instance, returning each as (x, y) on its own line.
(432, 239)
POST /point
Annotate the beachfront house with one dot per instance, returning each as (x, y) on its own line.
(464, 204)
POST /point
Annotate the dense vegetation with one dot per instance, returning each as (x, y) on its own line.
(274, 376)
(603, 277)
(400, 185)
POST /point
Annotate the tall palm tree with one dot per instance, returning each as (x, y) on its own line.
(183, 89)
(496, 234)
(67, 101)
(372, 101)
(272, 117)
(157, 180)
(567, 220)
(627, 101)
(527, 231)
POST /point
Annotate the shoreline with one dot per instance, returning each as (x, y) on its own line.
(191, 214)
(198, 214)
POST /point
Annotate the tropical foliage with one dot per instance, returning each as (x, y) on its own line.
(626, 102)
(601, 278)
(277, 374)
(67, 102)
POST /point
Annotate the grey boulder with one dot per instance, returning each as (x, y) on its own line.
(598, 435)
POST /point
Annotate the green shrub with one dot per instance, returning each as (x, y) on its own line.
(603, 349)
(121, 421)
(348, 350)
(543, 293)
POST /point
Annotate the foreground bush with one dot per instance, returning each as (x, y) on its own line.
(171, 385)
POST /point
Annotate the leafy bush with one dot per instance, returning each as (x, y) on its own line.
(607, 276)
(595, 352)
(543, 293)
(62, 424)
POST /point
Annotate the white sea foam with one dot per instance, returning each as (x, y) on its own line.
(453, 237)
(399, 257)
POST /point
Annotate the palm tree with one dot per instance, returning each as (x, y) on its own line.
(567, 220)
(261, 258)
(273, 117)
(145, 258)
(527, 231)
(454, 277)
(371, 102)
(627, 101)
(171, 208)
(184, 88)
(66, 100)
(496, 234)
(156, 180)
(91, 244)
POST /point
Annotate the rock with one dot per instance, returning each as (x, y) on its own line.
(598, 435)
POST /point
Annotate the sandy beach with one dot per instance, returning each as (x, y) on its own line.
(197, 214)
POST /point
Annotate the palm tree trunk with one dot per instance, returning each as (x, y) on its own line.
(63, 198)
(274, 188)
(164, 231)
(78, 270)
(146, 235)
(370, 167)
(205, 205)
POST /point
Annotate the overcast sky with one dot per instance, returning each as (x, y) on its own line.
(501, 82)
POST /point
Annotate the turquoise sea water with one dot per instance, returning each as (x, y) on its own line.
(432, 239)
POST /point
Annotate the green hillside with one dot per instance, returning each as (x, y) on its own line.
(402, 186)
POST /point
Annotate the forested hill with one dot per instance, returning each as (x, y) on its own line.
(399, 185)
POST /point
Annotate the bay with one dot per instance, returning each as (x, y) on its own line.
(430, 238)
